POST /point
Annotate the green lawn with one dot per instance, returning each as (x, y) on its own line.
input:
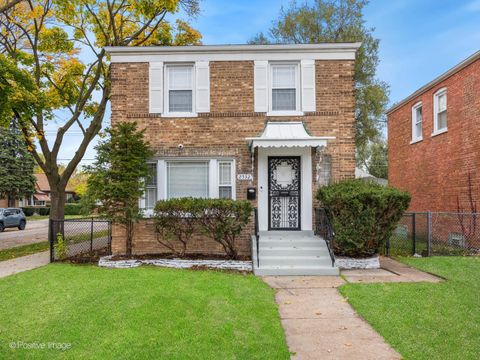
(142, 313)
(12, 253)
(43, 217)
(424, 320)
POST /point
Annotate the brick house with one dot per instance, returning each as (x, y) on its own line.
(433, 140)
(277, 120)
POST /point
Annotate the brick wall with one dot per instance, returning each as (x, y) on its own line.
(222, 132)
(435, 170)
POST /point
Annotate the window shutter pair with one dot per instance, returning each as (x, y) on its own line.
(261, 79)
(202, 87)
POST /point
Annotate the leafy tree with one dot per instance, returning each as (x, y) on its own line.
(339, 21)
(16, 166)
(53, 51)
(375, 159)
(117, 177)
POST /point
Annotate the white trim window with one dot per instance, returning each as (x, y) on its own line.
(187, 179)
(284, 89)
(440, 111)
(417, 122)
(225, 179)
(179, 92)
(151, 187)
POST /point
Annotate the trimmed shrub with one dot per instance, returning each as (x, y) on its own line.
(363, 214)
(44, 211)
(73, 209)
(221, 219)
(28, 211)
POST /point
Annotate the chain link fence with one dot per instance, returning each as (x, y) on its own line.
(435, 233)
(81, 240)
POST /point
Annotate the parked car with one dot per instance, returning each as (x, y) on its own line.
(12, 217)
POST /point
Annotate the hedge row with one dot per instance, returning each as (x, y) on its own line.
(70, 209)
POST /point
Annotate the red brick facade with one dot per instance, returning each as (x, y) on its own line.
(231, 119)
(436, 169)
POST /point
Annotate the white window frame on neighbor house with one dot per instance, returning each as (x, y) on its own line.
(298, 104)
(213, 175)
(416, 121)
(436, 98)
(167, 75)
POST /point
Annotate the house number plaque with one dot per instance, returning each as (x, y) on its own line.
(244, 177)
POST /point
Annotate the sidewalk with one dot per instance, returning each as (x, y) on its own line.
(24, 263)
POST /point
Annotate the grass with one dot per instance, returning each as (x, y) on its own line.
(44, 217)
(23, 250)
(141, 313)
(424, 320)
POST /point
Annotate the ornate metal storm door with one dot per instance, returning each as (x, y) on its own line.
(284, 193)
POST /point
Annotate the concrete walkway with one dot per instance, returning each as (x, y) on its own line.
(24, 263)
(320, 324)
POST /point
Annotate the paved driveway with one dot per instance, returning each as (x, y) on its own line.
(35, 231)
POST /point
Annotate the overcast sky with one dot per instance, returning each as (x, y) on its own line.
(420, 39)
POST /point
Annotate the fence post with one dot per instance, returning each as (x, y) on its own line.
(91, 236)
(50, 240)
(429, 237)
(414, 234)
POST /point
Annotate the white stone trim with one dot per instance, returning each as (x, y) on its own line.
(351, 263)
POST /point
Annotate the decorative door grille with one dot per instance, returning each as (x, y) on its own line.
(284, 193)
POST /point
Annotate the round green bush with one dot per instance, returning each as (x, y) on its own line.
(363, 215)
(44, 211)
(73, 209)
(28, 211)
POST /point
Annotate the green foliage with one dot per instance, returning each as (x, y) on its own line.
(117, 177)
(339, 21)
(28, 211)
(16, 165)
(32, 210)
(73, 209)
(61, 247)
(363, 214)
(374, 157)
(221, 219)
(43, 211)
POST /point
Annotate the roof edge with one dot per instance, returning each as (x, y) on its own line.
(452, 71)
(114, 50)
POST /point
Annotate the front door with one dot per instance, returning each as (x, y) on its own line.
(284, 192)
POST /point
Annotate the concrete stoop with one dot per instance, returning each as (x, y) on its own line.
(292, 253)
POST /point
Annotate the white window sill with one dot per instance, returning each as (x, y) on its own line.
(438, 132)
(285, 113)
(177, 115)
(414, 141)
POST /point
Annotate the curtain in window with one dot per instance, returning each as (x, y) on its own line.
(180, 85)
(442, 112)
(283, 87)
(187, 179)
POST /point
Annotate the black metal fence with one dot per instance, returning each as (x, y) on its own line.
(435, 233)
(79, 239)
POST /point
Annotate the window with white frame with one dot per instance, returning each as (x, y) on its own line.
(417, 121)
(285, 92)
(179, 93)
(440, 111)
(187, 179)
(151, 187)
(225, 179)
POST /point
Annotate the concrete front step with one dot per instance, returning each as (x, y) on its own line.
(293, 251)
(318, 243)
(299, 261)
(296, 271)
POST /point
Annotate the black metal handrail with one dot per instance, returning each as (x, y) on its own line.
(324, 228)
(257, 234)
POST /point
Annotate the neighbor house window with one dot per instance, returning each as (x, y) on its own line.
(179, 92)
(225, 179)
(187, 179)
(417, 121)
(151, 187)
(440, 111)
(285, 92)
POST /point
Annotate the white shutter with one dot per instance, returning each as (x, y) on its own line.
(202, 86)
(260, 79)
(156, 87)
(308, 85)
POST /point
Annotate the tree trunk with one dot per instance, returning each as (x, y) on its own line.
(11, 201)
(129, 233)
(57, 207)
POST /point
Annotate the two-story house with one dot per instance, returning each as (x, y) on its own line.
(276, 121)
(434, 141)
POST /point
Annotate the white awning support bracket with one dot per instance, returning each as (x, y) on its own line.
(286, 134)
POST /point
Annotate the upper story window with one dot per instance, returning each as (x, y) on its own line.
(284, 87)
(417, 121)
(179, 90)
(440, 111)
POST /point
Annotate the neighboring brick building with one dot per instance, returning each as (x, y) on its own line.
(434, 140)
(218, 117)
